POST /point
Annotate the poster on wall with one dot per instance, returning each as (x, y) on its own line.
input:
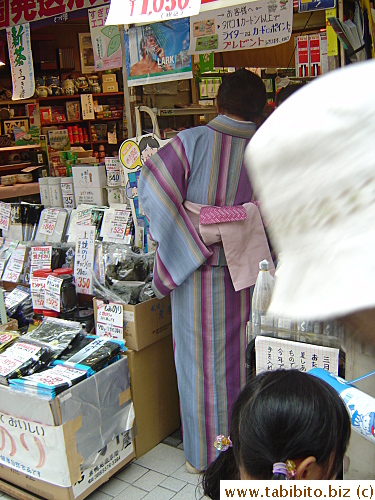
(158, 52)
(106, 40)
(132, 154)
(21, 61)
(262, 23)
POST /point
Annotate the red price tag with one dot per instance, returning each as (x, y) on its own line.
(83, 283)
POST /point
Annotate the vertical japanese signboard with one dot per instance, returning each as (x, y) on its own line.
(21, 61)
(84, 259)
(106, 40)
(262, 23)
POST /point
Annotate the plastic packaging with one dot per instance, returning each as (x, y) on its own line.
(59, 229)
(261, 297)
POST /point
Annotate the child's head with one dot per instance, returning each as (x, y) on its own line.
(279, 416)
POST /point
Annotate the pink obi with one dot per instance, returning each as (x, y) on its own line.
(240, 230)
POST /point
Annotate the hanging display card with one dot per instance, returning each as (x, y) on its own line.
(41, 258)
(52, 293)
(239, 27)
(4, 215)
(115, 222)
(21, 61)
(49, 222)
(15, 264)
(276, 354)
(106, 41)
(84, 258)
(110, 320)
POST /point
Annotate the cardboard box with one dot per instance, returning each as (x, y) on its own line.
(145, 323)
(107, 462)
(110, 87)
(109, 78)
(90, 196)
(88, 176)
(154, 393)
(47, 441)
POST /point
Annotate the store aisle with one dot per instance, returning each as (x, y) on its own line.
(158, 475)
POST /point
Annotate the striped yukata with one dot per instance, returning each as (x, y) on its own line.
(203, 165)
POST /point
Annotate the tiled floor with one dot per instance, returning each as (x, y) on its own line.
(158, 475)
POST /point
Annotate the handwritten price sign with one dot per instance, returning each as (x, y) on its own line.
(49, 221)
(146, 11)
(4, 215)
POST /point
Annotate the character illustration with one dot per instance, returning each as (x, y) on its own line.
(365, 422)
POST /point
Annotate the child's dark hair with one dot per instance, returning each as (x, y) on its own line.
(282, 415)
(242, 94)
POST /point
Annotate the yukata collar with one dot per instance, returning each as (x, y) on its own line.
(235, 128)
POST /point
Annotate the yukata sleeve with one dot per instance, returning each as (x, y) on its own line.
(162, 191)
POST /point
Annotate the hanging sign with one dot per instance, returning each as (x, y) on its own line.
(148, 11)
(158, 52)
(307, 5)
(40, 12)
(246, 26)
(21, 61)
(105, 40)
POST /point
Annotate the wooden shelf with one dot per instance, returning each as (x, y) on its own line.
(204, 110)
(18, 101)
(77, 96)
(70, 122)
(19, 190)
(106, 142)
(22, 148)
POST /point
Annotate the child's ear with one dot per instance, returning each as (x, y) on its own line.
(307, 469)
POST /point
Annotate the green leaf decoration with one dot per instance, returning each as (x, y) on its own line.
(114, 44)
(109, 31)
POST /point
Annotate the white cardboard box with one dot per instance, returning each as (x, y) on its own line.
(90, 196)
(89, 176)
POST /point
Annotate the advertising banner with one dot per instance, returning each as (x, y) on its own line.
(262, 23)
(158, 52)
(21, 61)
(106, 40)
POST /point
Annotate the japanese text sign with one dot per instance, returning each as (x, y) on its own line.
(277, 354)
(105, 40)
(14, 12)
(87, 104)
(262, 23)
(34, 449)
(149, 11)
(21, 61)
(84, 258)
(110, 320)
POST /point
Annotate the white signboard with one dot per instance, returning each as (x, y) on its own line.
(21, 61)
(238, 27)
(87, 105)
(150, 11)
(277, 354)
(84, 258)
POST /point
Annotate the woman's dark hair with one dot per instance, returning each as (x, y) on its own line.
(281, 415)
(242, 94)
(148, 141)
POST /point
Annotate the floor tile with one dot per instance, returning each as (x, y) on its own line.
(131, 473)
(173, 484)
(189, 492)
(150, 480)
(113, 487)
(186, 477)
(163, 459)
(98, 495)
(159, 493)
(132, 493)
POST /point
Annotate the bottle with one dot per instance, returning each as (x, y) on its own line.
(261, 297)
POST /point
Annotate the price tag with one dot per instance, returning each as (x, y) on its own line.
(83, 217)
(84, 258)
(68, 200)
(41, 258)
(112, 166)
(148, 11)
(15, 265)
(49, 221)
(110, 320)
(14, 298)
(115, 223)
(52, 290)
(37, 287)
(4, 215)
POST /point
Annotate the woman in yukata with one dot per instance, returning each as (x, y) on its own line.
(199, 202)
